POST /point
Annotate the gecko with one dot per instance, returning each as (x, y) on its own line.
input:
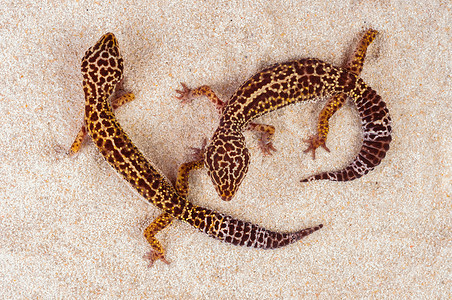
(227, 158)
(102, 69)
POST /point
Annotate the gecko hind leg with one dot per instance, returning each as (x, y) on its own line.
(183, 174)
(323, 127)
(355, 65)
(157, 251)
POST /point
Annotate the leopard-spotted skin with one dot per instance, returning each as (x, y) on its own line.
(227, 157)
(102, 69)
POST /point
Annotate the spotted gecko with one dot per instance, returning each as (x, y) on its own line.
(227, 157)
(102, 69)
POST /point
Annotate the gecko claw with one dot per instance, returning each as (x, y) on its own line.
(198, 153)
(185, 95)
(153, 256)
(314, 142)
(266, 147)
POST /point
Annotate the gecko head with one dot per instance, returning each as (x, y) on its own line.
(102, 66)
(227, 160)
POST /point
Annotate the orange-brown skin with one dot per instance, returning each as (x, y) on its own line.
(227, 157)
(102, 69)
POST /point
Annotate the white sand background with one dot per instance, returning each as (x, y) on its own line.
(71, 228)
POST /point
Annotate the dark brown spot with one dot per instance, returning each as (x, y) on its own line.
(342, 79)
(102, 62)
(106, 123)
(155, 185)
(112, 62)
(177, 209)
(111, 79)
(100, 143)
(151, 192)
(314, 79)
(118, 142)
(320, 70)
(94, 117)
(93, 57)
(118, 156)
(111, 131)
(109, 145)
(93, 76)
(103, 72)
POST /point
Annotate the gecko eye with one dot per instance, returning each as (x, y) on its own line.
(227, 160)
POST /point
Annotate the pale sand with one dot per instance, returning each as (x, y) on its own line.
(72, 228)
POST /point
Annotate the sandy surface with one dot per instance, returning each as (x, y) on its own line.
(71, 228)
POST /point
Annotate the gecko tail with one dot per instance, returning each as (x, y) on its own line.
(296, 236)
(238, 232)
(376, 125)
(368, 158)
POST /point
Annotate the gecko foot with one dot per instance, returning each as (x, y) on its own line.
(266, 145)
(198, 153)
(185, 95)
(314, 142)
(153, 256)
